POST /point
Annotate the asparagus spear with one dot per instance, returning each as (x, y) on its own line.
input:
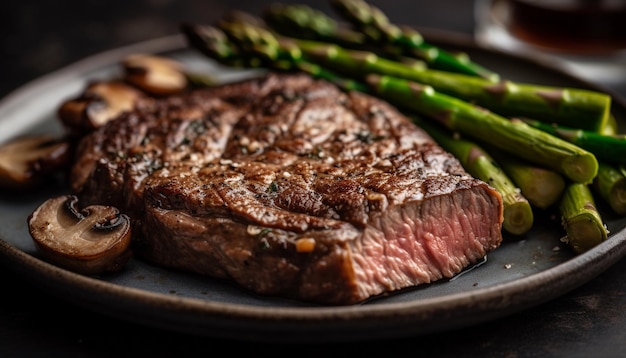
(541, 186)
(574, 107)
(609, 148)
(580, 218)
(569, 106)
(610, 128)
(515, 137)
(373, 22)
(321, 72)
(305, 22)
(518, 214)
(214, 43)
(610, 185)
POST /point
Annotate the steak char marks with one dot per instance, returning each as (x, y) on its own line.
(290, 187)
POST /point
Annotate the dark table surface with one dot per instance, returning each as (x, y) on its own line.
(37, 37)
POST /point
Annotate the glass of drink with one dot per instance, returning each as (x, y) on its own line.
(588, 36)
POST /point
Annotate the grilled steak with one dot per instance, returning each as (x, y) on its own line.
(290, 187)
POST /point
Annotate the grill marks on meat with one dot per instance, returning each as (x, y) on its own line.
(234, 181)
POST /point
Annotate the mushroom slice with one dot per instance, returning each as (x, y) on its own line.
(99, 103)
(27, 161)
(155, 75)
(91, 241)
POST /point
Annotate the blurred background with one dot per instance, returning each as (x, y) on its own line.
(37, 37)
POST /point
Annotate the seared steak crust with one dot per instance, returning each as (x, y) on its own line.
(290, 187)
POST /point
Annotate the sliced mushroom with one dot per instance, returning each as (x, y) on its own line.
(155, 75)
(28, 161)
(99, 103)
(93, 240)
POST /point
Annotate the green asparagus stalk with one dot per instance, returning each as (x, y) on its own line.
(515, 137)
(213, 43)
(305, 22)
(569, 106)
(317, 71)
(573, 107)
(356, 63)
(610, 185)
(609, 148)
(373, 22)
(541, 186)
(610, 128)
(518, 214)
(580, 218)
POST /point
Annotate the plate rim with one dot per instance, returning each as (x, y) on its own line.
(331, 323)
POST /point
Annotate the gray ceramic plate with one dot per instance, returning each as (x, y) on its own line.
(520, 274)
